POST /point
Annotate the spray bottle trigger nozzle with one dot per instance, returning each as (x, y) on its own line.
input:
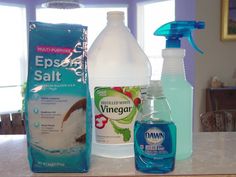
(191, 41)
(174, 31)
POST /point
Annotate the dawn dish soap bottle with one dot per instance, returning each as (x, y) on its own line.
(119, 72)
(176, 88)
(155, 133)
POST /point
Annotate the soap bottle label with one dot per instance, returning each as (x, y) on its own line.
(116, 109)
(154, 139)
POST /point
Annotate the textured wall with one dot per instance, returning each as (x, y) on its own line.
(219, 58)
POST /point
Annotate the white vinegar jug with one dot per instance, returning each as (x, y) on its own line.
(119, 72)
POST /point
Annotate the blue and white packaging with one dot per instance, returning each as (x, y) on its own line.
(58, 110)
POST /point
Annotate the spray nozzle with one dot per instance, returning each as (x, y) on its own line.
(175, 30)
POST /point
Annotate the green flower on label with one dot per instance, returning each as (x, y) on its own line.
(125, 132)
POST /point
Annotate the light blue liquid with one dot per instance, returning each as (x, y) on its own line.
(155, 161)
(179, 94)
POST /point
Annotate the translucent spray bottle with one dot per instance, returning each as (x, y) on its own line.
(176, 88)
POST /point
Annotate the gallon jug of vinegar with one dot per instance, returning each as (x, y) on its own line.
(119, 72)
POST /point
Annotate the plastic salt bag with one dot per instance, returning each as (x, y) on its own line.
(58, 111)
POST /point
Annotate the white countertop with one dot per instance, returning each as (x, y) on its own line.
(214, 154)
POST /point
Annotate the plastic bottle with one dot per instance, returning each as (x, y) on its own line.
(118, 72)
(155, 134)
(176, 88)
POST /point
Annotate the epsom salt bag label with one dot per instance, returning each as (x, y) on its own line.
(116, 109)
(57, 109)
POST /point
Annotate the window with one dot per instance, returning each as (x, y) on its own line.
(94, 18)
(151, 16)
(13, 67)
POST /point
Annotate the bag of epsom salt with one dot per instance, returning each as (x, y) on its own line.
(58, 111)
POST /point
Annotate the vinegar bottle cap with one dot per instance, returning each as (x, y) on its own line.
(115, 16)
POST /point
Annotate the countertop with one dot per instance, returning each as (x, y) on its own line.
(214, 154)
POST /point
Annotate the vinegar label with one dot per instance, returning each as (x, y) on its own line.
(116, 109)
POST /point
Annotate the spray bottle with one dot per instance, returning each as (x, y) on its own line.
(176, 88)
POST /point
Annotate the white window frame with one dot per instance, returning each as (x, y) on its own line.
(155, 58)
(22, 65)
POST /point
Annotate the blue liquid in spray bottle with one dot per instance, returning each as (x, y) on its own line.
(176, 88)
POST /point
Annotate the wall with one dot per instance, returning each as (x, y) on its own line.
(219, 58)
(185, 10)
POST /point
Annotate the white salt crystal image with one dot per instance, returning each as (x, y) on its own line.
(60, 128)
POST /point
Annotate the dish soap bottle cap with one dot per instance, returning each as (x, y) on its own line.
(155, 89)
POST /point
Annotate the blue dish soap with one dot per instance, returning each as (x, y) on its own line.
(155, 134)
